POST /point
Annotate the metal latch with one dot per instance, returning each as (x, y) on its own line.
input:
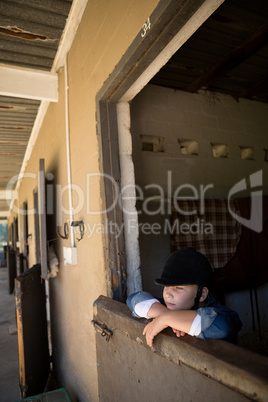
(103, 330)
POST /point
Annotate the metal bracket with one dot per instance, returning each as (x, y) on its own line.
(104, 331)
(66, 232)
(81, 226)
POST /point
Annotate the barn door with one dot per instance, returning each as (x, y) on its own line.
(34, 360)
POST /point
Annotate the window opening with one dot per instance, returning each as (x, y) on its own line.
(247, 153)
(151, 143)
(220, 150)
(189, 147)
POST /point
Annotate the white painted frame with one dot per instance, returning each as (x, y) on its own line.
(28, 83)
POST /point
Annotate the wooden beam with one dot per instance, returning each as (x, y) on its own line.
(8, 194)
(255, 90)
(28, 83)
(232, 59)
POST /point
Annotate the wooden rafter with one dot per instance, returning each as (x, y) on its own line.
(232, 59)
(255, 90)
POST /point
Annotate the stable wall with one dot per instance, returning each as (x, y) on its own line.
(191, 369)
(208, 118)
(104, 34)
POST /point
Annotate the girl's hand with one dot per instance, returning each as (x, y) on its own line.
(180, 320)
(153, 328)
(178, 332)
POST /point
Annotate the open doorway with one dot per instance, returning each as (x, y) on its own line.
(197, 139)
(165, 31)
(195, 128)
(179, 126)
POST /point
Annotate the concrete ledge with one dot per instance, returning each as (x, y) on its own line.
(243, 371)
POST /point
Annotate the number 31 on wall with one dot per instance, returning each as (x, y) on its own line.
(146, 28)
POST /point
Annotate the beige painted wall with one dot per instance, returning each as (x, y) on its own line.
(105, 32)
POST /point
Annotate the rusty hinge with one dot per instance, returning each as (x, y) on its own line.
(103, 330)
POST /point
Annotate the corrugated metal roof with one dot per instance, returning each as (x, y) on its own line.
(17, 117)
(4, 207)
(30, 31)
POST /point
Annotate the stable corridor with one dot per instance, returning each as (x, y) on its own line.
(9, 363)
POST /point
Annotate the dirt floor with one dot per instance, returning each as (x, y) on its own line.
(9, 362)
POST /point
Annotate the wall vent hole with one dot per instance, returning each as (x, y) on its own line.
(247, 153)
(220, 150)
(152, 143)
(189, 147)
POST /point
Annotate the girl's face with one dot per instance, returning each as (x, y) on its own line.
(180, 297)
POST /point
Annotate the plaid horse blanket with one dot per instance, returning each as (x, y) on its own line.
(209, 228)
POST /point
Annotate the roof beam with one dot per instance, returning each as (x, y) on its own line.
(8, 194)
(28, 83)
(232, 59)
(255, 90)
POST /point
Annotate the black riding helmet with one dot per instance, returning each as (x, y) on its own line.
(187, 267)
